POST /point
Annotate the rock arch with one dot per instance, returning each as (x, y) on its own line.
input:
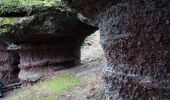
(135, 36)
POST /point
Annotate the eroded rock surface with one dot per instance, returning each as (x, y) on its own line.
(135, 38)
(47, 41)
(9, 61)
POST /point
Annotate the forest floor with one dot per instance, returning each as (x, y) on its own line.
(83, 82)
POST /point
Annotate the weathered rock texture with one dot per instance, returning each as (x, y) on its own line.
(47, 41)
(135, 36)
(8, 65)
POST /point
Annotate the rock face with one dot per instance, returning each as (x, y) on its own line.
(8, 65)
(135, 36)
(47, 41)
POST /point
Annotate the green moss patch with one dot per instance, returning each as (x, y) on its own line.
(3, 30)
(60, 84)
(5, 23)
(31, 2)
(49, 89)
(9, 21)
(25, 7)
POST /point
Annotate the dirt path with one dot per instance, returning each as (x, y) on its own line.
(92, 89)
(89, 72)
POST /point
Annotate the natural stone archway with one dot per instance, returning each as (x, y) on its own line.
(135, 36)
(46, 42)
(9, 61)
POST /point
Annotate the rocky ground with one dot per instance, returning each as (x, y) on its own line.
(89, 73)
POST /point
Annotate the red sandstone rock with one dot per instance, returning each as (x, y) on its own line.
(135, 36)
(8, 65)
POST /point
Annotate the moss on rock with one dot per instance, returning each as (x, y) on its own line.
(9, 21)
(3, 30)
(26, 7)
(5, 23)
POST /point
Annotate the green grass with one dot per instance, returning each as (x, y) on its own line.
(49, 89)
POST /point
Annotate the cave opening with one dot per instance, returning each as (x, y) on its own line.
(91, 49)
(14, 65)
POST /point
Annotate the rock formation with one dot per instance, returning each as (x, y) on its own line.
(9, 61)
(135, 36)
(47, 41)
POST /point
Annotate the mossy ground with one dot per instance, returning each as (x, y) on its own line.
(49, 89)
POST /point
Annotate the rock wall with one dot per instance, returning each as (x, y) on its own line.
(135, 38)
(9, 61)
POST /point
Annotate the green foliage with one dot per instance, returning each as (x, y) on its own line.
(9, 21)
(11, 2)
(49, 89)
(25, 6)
(6, 22)
(31, 2)
(3, 30)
